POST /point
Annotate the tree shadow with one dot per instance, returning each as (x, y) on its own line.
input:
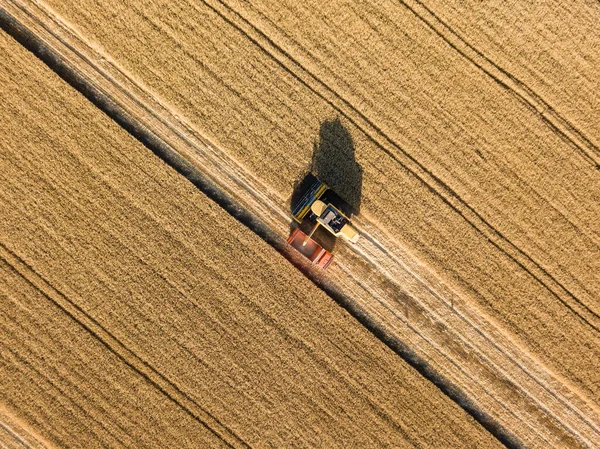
(334, 163)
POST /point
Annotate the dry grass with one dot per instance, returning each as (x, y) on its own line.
(140, 314)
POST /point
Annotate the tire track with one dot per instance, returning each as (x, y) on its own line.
(519, 89)
(471, 321)
(19, 432)
(490, 157)
(109, 432)
(349, 383)
(465, 398)
(431, 182)
(116, 347)
(21, 330)
(147, 135)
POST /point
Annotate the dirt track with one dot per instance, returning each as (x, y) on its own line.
(131, 296)
(486, 240)
(14, 434)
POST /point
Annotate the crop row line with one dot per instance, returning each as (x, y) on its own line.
(148, 135)
(130, 358)
(516, 87)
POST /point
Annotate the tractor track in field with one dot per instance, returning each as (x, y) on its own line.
(14, 430)
(454, 340)
(528, 96)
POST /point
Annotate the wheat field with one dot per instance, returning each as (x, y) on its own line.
(138, 313)
(464, 136)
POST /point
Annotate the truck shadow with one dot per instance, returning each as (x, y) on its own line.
(333, 162)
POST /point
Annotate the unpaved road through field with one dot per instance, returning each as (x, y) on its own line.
(479, 184)
(137, 313)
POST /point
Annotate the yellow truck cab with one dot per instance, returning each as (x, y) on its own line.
(332, 219)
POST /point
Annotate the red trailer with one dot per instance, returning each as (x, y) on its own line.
(309, 248)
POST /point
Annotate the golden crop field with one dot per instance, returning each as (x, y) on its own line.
(465, 138)
(138, 313)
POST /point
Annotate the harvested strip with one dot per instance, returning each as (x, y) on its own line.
(541, 210)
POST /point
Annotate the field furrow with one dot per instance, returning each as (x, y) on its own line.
(68, 385)
(532, 43)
